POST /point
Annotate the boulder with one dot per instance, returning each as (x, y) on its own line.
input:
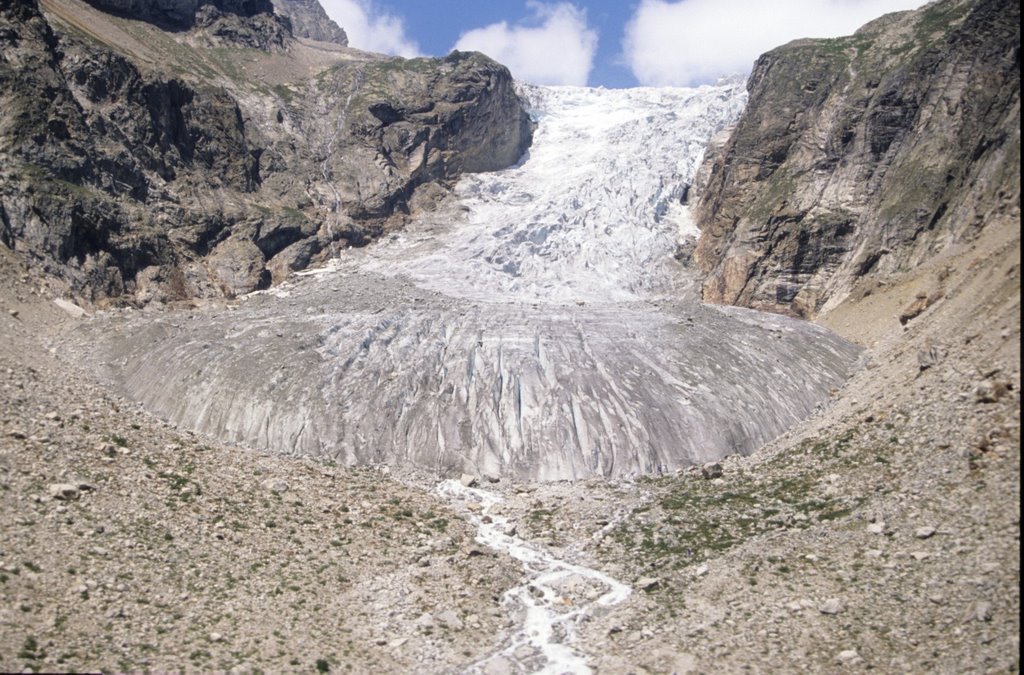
(238, 266)
(63, 491)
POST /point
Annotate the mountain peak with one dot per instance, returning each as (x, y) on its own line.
(309, 20)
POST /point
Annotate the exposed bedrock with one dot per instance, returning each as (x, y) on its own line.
(181, 14)
(124, 166)
(859, 158)
(309, 20)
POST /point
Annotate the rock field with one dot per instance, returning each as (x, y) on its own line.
(881, 534)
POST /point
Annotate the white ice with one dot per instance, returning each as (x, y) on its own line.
(591, 214)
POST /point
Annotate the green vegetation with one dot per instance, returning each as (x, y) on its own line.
(30, 650)
(937, 20)
(693, 520)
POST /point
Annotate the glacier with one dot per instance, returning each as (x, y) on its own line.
(536, 326)
(591, 214)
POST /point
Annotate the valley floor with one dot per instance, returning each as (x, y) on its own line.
(128, 545)
(881, 534)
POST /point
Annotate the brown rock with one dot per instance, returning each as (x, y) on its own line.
(711, 471)
(991, 391)
(238, 265)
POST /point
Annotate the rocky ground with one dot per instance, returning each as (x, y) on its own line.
(129, 545)
(882, 534)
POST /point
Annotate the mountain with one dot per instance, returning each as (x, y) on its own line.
(863, 157)
(540, 321)
(536, 327)
(309, 20)
(172, 150)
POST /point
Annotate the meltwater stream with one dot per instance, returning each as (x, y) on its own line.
(549, 616)
(538, 327)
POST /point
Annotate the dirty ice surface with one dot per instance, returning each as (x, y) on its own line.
(538, 326)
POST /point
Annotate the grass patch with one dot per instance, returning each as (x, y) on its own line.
(692, 520)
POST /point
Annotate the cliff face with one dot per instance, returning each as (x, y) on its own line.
(309, 20)
(859, 158)
(180, 14)
(142, 164)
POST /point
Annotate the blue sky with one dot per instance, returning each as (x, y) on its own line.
(611, 43)
(437, 25)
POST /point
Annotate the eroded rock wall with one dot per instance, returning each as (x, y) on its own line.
(180, 14)
(309, 20)
(126, 178)
(859, 158)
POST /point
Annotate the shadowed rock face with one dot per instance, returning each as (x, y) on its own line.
(861, 157)
(123, 177)
(309, 20)
(534, 330)
(180, 14)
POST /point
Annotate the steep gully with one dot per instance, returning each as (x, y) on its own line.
(536, 328)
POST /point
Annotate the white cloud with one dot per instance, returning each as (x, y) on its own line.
(690, 42)
(555, 47)
(370, 30)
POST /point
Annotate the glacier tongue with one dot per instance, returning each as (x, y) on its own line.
(539, 328)
(592, 213)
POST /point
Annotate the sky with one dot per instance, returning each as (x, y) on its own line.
(609, 43)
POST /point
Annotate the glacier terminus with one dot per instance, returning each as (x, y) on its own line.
(537, 325)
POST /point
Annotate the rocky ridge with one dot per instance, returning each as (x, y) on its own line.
(309, 20)
(181, 14)
(160, 165)
(860, 158)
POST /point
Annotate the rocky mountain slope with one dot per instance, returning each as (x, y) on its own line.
(309, 20)
(143, 164)
(863, 157)
(882, 534)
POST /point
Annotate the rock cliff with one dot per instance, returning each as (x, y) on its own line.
(309, 20)
(145, 164)
(860, 158)
(181, 14)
